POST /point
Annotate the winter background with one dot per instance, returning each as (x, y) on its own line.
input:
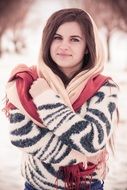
(10, 176)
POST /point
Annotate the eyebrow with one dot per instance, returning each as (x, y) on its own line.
(73, 36)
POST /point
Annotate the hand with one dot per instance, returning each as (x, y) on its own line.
(38, 87)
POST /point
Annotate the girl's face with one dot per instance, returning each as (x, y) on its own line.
(68, 48)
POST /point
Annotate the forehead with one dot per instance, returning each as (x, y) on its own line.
(72, 28)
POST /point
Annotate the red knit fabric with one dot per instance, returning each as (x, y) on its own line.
(24, 77)
(75, 175)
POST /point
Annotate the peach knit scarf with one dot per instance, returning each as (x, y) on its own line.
(76, 85)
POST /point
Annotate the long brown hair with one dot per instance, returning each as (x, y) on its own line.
(53, 23)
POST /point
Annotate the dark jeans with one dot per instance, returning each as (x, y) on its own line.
(96, 186)
(28, 187)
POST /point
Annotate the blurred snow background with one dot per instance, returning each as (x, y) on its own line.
(10, 176)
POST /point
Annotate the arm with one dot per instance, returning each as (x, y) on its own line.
(40, 142)
(87, 131)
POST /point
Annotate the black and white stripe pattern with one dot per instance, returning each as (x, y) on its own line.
(45, 149)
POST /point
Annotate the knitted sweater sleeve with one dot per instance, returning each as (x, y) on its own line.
(87, 131)
(40, 142)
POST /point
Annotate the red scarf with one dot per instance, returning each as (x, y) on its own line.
(25, 77)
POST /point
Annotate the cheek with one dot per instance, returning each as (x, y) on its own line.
(83, 49)
(79, 55)
(53, 47)
(80, 52)
(51, 50)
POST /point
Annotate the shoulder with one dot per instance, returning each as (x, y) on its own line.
(19, 68)
(106, 96)
(23, 69)
(107, 92)
(110, 86)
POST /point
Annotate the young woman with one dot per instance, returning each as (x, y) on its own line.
(62, 112)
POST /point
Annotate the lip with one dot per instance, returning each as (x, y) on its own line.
(63, 54)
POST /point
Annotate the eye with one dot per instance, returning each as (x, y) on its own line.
(75, 40)
(57, 38)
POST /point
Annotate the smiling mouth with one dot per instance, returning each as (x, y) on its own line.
(63, 54)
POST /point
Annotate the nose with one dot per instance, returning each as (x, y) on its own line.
(64, 45)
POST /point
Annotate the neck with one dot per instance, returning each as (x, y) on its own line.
(70, 72)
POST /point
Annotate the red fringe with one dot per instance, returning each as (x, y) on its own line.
(9, 106)
(75, 175)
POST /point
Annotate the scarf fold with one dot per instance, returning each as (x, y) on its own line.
(18, 94)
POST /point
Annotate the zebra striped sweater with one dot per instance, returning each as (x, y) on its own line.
(68, 137)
